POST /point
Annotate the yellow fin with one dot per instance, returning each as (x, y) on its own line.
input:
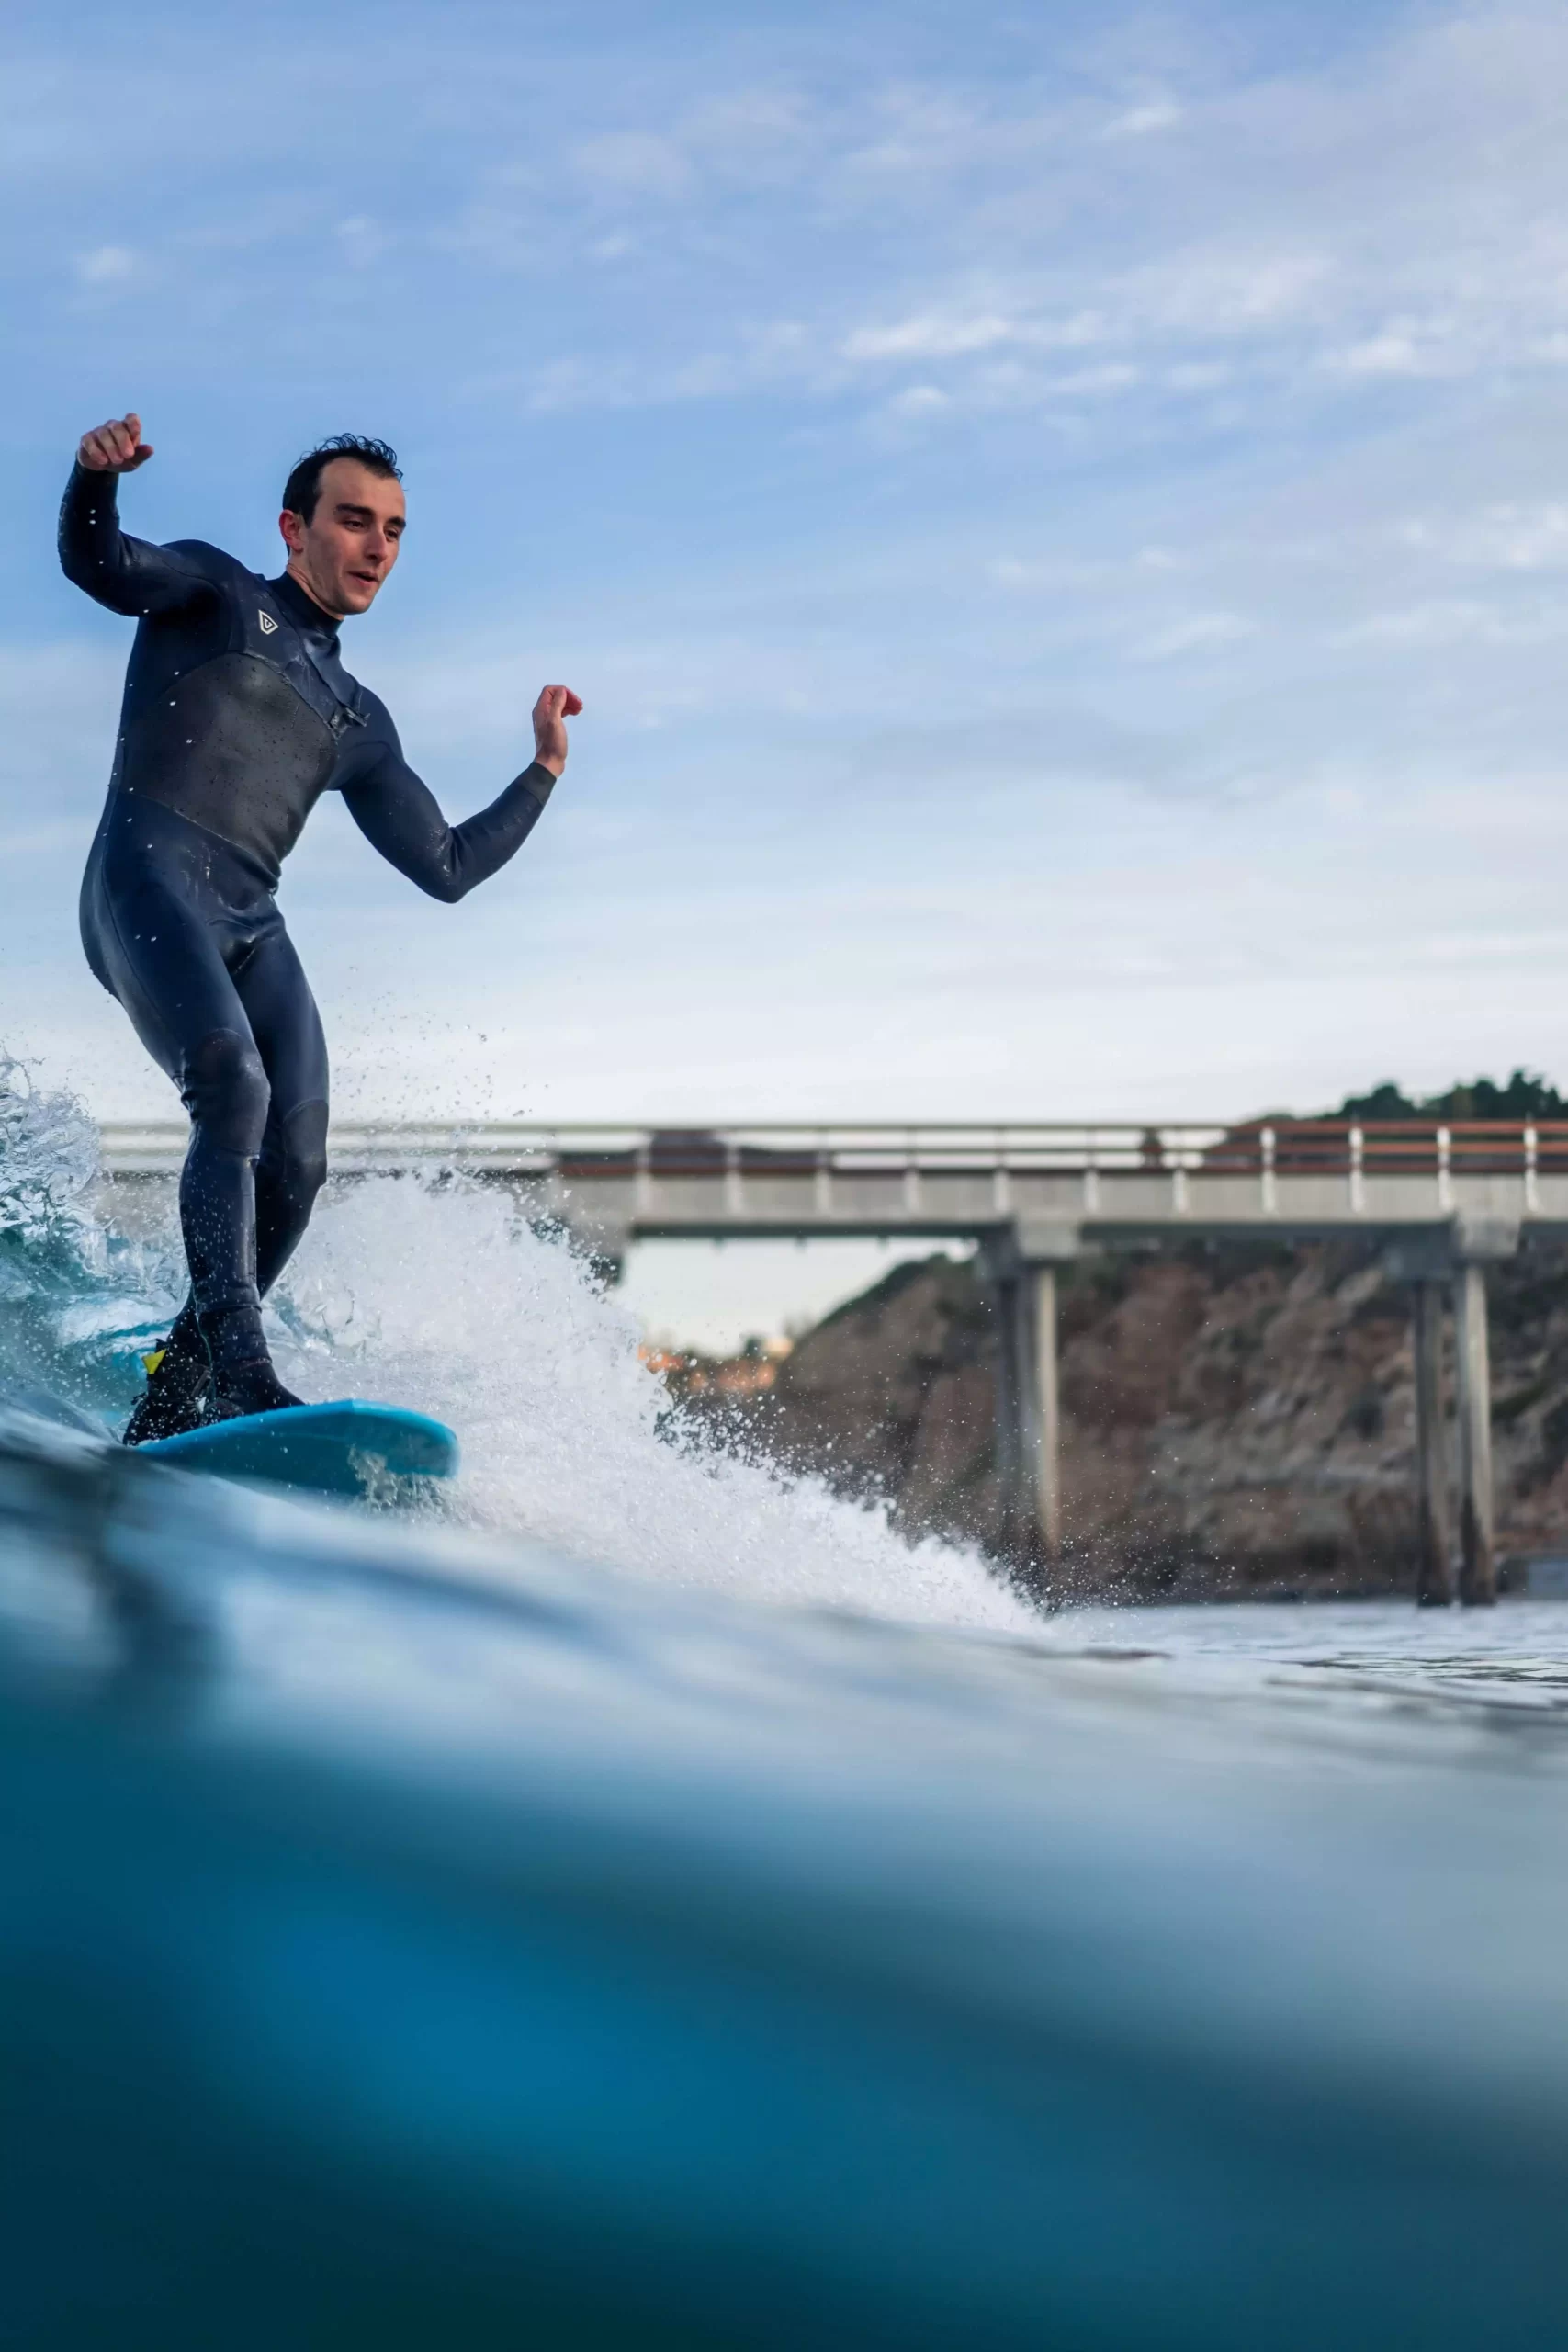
(149, 1364)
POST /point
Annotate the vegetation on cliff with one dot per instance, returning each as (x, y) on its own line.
(1523, 1096)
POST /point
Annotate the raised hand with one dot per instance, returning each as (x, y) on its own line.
(116, 447)
(555, 706)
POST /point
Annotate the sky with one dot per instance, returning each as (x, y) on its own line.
(1058, 518)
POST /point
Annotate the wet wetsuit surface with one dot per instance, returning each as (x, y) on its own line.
(237, 714)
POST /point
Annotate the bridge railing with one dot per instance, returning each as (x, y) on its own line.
(776, 1177)
(1254, 1148)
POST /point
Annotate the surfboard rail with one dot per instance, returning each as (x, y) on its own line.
(346, 1446)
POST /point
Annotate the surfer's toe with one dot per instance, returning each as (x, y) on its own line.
(253, 1387)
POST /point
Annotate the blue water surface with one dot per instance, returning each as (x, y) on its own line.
(409, 1939)
(654, 1936)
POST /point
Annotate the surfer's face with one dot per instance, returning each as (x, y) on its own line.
(350, 543)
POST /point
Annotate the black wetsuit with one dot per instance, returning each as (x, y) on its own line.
(237, 714)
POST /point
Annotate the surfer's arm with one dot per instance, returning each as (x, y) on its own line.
(398, 814)
(128, 575)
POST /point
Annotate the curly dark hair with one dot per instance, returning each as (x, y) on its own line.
(303, 487)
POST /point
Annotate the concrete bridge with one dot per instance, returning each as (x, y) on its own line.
(1443, 1201)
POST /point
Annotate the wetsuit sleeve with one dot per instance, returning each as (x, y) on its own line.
(398, 815)
(128, 575)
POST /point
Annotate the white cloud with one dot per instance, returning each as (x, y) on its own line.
(1311, 232)
(1219, 291)
(1119, 573)
(1137, 122)
(1408, 347)
(361, 240)
(920, 400)
(1196, 633)
(932, 337)
(634, 162)
(1506, 536)
(1450, 621)
(1115, 376)
(106, 265)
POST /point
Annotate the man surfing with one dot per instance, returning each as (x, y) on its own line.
(237, 714)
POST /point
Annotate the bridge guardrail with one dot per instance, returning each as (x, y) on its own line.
(1316, 1147)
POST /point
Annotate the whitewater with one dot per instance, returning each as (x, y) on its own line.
(640, 1898)
(435, 1293)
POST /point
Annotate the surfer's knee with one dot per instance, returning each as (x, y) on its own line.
(225, 1088)
(302, 1151)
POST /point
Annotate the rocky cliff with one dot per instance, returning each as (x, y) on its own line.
(1234, 1419)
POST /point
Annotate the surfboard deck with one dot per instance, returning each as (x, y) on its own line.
(344, 1447)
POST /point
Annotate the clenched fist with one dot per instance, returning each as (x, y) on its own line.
(113, 449)
(555, 706)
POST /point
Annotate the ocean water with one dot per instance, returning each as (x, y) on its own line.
(642, 1901)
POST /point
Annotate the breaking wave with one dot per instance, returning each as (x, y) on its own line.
(436, 1293)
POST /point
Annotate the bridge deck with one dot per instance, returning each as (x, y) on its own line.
(1301, 1177)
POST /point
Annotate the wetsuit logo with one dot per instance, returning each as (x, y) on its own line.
(267, 624)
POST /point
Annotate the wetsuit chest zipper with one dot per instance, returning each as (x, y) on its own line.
(346, 713)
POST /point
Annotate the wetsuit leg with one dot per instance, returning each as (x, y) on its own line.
(156, 923)
(287, 1027)
(292, 1165)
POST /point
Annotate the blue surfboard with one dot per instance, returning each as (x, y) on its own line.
(346, 1448)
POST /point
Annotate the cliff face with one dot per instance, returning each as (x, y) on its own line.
(1233, 1419)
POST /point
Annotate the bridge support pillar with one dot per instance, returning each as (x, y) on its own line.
(1478, 1568)
(1434, 1568)
(1048, 1441)
(1021, 1263)
(1456, 1254)
(1015, 1416)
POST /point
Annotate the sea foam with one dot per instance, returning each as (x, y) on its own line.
(437, 1293)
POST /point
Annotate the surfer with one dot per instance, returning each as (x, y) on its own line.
(238, 714)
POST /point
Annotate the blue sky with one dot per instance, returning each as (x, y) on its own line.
(1058, 517)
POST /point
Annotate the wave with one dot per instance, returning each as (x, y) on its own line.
(436, 1293)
